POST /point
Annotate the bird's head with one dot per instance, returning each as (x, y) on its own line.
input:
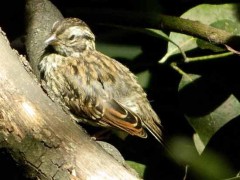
(71, 37)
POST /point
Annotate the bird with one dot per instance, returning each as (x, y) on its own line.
(94, 86)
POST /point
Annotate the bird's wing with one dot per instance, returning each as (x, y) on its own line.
(121, 117)
(88, 98)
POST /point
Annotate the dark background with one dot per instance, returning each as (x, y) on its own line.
(163, 85)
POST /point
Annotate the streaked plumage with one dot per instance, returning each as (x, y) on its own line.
(93, 85)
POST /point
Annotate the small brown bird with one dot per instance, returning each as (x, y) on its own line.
(94, 86)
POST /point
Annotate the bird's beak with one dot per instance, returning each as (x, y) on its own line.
(51, 39)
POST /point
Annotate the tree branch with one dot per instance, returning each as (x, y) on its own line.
(40, 135)
(161, 21)
(40, 16)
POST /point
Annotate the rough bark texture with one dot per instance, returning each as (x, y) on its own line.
(40, 16)
(39, 135)
(161, 21)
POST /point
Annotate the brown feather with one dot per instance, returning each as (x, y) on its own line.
(94, 86)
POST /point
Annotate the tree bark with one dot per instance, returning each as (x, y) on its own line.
(37, 132)
(163, 22)
(40, 135)
(40, 16)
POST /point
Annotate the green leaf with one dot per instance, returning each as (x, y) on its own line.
(224, 24)
(207, 106)
(210, 166)
(162, 35)
(119, 50)
(200, 146)
(206, 14)
(139, 168)
(234, 178)
(144, 78)
(206, 45)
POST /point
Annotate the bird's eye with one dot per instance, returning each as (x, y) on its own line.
(72, 37)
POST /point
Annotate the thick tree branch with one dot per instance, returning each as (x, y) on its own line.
(161, 21)
(40, 16)
(37, 132)
(40, 135)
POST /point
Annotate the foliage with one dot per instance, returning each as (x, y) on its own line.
(192, 84)
(207, 91)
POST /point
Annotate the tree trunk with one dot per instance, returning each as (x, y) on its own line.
(38, 133)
